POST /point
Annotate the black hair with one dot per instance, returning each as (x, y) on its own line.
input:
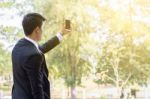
(31, 21)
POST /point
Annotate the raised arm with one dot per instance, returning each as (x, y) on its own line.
(50, 44)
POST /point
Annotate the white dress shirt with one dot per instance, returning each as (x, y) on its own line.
(59, 36)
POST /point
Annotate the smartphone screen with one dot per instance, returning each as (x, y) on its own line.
(67, 24)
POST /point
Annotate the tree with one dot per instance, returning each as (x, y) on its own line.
(71, 66)
(113, 54)
(11, 31)
(5, 65)
(121, 59)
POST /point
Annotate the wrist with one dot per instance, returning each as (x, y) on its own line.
(59, 36)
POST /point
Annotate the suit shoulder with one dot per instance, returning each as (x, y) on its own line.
(24, 48)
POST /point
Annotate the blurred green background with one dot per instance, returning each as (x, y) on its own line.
(107, 51)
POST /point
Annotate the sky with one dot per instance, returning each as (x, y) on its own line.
(10, 16)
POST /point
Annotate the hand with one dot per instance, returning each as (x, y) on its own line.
(65, 31)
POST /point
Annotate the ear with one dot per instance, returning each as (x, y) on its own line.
(37, 29)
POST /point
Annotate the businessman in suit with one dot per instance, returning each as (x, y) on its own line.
(30, 72)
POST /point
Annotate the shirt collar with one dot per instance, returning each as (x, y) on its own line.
(32, 41)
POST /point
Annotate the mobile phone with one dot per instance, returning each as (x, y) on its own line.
(67, 24)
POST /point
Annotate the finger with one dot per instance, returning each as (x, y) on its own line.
(68, 30)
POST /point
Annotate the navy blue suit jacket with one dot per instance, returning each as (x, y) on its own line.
(30, 72)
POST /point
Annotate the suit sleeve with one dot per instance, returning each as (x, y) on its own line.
(50, 44)
(33, 70)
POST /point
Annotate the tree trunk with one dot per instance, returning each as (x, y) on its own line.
(118, 89)
(73, 92)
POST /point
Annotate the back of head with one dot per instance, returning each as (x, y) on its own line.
(31, 21)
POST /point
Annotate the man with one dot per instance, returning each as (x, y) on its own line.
(30, 72)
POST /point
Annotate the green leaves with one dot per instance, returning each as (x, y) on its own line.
(5, 62)
(6, 4)
(105, 41)
(67, 57)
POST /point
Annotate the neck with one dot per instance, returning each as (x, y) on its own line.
(32, 37)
